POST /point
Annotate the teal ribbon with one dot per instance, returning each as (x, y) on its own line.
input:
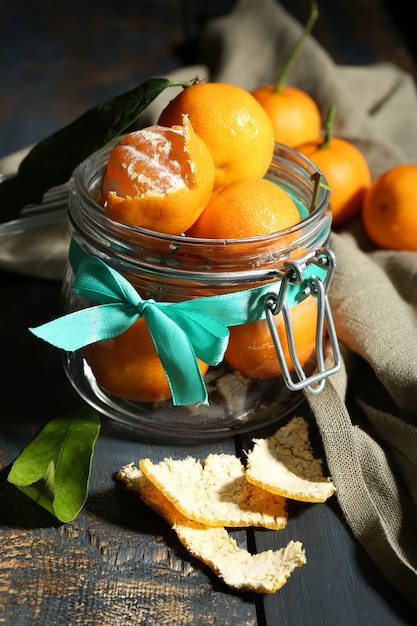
(181, 331)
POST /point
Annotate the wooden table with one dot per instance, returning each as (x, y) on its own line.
(118, 562)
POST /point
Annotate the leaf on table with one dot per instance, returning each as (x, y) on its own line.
(52, 161)
(54, 469)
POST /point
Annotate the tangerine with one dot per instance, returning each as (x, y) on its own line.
(251, 349)
(128, 366)
(234, 126)
(246, 207)
(158, 178)
(345, 168)
(389, 213)
(295, 115)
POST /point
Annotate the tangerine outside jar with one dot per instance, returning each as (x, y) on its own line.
(269, 293)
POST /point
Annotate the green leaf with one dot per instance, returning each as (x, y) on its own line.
(54, 469)
(52, 161)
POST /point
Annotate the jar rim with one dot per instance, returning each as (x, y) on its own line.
(132, 248)
(322, 201)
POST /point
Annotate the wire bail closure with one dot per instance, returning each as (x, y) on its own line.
(275, 304)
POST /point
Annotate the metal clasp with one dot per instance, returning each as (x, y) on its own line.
(276, 303)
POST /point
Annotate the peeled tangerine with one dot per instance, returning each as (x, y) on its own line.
(158, 178)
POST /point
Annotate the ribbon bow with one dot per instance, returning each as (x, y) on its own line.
(181, 331)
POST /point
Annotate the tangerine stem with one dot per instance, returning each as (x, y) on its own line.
(282, 77)
(316, 178)
(329, 126)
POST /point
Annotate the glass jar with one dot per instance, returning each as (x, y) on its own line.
(289, 273)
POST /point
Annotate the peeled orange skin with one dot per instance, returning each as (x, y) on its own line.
(158, 178)
(251, 350)
(128, 366)
(347, 173)
(294, 114)
(234, 126)
(246, 207)
(389, 213)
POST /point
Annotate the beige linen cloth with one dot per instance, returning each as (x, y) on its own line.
(367, 413)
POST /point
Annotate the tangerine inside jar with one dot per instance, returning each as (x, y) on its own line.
(248, 286)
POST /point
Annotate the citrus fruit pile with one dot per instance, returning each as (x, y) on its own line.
(213, 144)
(387, 205)
(200, 172)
